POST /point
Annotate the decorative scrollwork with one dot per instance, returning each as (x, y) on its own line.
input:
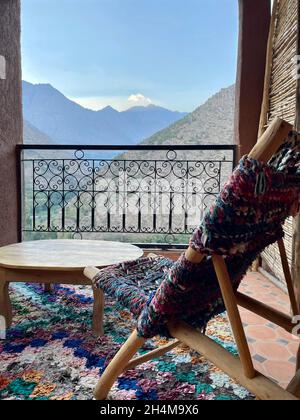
(161, 196)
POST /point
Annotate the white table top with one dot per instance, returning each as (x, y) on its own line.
(66, 255)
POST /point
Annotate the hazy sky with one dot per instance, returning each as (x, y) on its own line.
(174, 53)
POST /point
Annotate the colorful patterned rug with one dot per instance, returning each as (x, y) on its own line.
(50, 354)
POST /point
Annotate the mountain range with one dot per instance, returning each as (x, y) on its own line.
(210, 123)
(63, 121)
(33, 135)
(52, 118)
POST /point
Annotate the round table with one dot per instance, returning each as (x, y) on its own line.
(59, 261)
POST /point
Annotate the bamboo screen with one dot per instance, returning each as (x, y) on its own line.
(282, 99)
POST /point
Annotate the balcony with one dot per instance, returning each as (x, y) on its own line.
(153, 196)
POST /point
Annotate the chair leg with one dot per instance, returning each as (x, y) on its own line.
(298, 360)
(154, 354)
(117, 365)
(234, 315)
(294, 386)
(288, 277)
(98, 312)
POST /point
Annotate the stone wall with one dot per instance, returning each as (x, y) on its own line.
(10, 117)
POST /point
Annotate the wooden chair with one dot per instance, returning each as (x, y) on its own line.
(239, 368)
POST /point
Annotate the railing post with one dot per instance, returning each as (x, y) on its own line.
(19, 169)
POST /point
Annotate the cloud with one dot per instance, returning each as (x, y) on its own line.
(139, 99)
(121, 103)
(96, 103)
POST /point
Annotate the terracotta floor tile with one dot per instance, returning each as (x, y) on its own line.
(285, 384)
(289, 337)
(280, 371)
(261, 332)
(251, 318)
(293, 346)
(273, 350)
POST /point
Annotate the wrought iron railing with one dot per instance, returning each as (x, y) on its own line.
(149, 195)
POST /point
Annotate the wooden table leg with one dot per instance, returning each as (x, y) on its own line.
(47, 287)
(5, 303)
(98, 312)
